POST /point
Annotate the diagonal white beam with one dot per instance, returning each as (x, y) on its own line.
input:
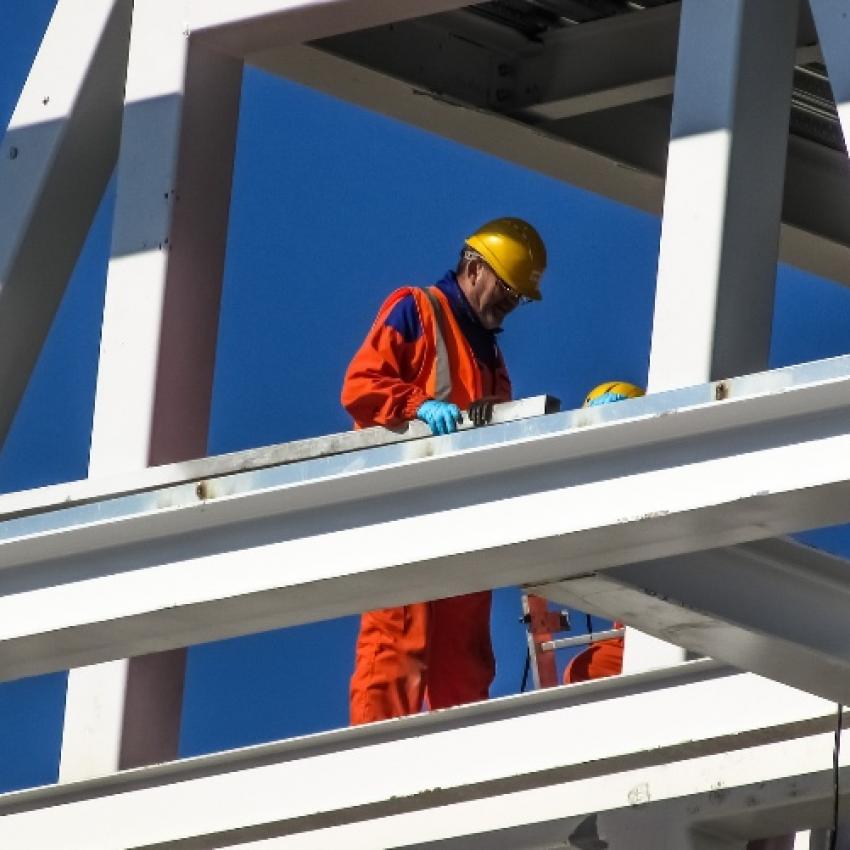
(253, 25)
(55, 160)
(583, 491)
(751, 605)
(520, 772)
(821, 247)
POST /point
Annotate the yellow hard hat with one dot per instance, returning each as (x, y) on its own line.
(515, 252)
(614, 388)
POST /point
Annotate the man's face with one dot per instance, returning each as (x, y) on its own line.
(493, 299)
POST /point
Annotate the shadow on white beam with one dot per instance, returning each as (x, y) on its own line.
(480, 129)
(499, 774)
(252, 25)
(772, 606)
(826, 254)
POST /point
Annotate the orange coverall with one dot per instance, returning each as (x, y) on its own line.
(438, 651)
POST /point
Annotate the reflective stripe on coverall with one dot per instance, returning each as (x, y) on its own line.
(438, 651)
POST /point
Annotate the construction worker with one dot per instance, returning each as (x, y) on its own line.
(604, 658)
(430, 354)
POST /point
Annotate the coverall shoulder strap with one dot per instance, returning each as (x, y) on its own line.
(442, 368)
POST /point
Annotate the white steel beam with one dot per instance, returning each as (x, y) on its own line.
(55, 161)
(722, 205)
(108, 487)
(752, 605)
(695, 756)
(587, 490)
(826, 252)
(158, 340)
(163, 288)
(723, 194)
(250, 26)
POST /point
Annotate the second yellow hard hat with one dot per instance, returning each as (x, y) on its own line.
(613, 388)
(515, 252)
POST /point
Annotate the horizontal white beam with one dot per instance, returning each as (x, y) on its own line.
(251, 25)
(528, 501)
(78, 493)
(701, 749)
(822, 250)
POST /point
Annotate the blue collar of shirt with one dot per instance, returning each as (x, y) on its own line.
(461, 307)
(482, 340)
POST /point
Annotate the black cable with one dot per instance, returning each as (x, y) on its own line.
(525, 671)
(589, 626)
(835, 753)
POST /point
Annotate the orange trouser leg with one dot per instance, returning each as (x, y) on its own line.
(390, 663)
(461, 665)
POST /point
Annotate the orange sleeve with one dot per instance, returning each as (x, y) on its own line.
(383, 383)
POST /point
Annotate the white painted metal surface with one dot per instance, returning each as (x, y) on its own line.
(707, 759)
(770, 605)
(723, 195)
(722, 207)
(321, 538)
(158, 339)
(155, 374)
(55, 160)
(728, 755)
(44, 500)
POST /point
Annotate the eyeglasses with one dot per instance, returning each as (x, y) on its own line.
(512, 294)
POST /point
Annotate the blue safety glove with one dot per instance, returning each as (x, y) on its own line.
(441, 417)
(606, 398)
